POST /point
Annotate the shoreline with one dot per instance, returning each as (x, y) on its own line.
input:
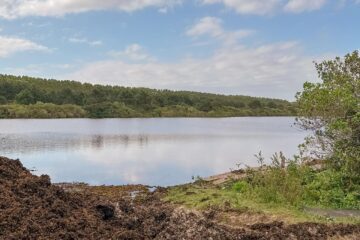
(165, 117)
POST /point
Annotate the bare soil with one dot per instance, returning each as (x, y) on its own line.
(33, 208)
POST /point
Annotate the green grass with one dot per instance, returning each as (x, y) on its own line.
(279, 192)
(202, 197)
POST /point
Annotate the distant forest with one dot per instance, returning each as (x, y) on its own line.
(27, 97)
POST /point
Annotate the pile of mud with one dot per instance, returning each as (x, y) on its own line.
(32, 208)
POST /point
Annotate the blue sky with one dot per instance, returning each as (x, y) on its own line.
(248, 47)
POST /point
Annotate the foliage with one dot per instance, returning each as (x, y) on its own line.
(287, 181)
(255, 104)
(328, 188)
(41, 110)
(241, 186)
(277, 183)
(3, 100)
(110, 110)
(25, 97)
(331, 109)
(115, 101)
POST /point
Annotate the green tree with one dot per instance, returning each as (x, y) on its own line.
(331, 109)
(145, 102)
(255, 104)
(272, 104)
(3, 100)
(25, 97)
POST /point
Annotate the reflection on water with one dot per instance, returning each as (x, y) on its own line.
(148, 151)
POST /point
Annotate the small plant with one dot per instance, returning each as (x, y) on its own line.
(260, 159)
(278, 160)
(240, 186)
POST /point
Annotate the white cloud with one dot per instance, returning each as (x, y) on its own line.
(95, 43)
(47, 70)
(259, 7)
(11, 9)
(12, 45)
(347, 1)
(207, 25)
(133, 52)
(263, 7)
(213, 27)
(85, 40)
(274, 70)
(304, 5)
(29, 70)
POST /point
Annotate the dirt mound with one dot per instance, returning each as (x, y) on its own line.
(32, 208)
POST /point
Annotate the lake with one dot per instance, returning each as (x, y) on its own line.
(156, 151)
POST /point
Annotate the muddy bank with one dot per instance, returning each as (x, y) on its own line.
(33, 208)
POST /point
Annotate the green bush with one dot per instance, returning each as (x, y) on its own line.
(240, 186)
(328, 188)
(41, 110)
(299, 185)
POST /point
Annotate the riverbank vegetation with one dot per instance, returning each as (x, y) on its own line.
(41, 110)
(296, 193)
(24, 97)
(330, 109)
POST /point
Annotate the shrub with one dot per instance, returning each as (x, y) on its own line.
(240, 186)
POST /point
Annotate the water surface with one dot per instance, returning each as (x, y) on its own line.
(162, 151)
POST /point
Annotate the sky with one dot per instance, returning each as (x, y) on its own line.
(244, 47)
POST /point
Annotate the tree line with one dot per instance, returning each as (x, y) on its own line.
(22, 96)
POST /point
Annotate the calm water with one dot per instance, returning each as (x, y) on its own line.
(149, 151)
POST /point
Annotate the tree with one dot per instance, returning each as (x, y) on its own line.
(255, 104)
(144, 101)
(3, 100)
(271, 104)
(331, 109)
(25, 97)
